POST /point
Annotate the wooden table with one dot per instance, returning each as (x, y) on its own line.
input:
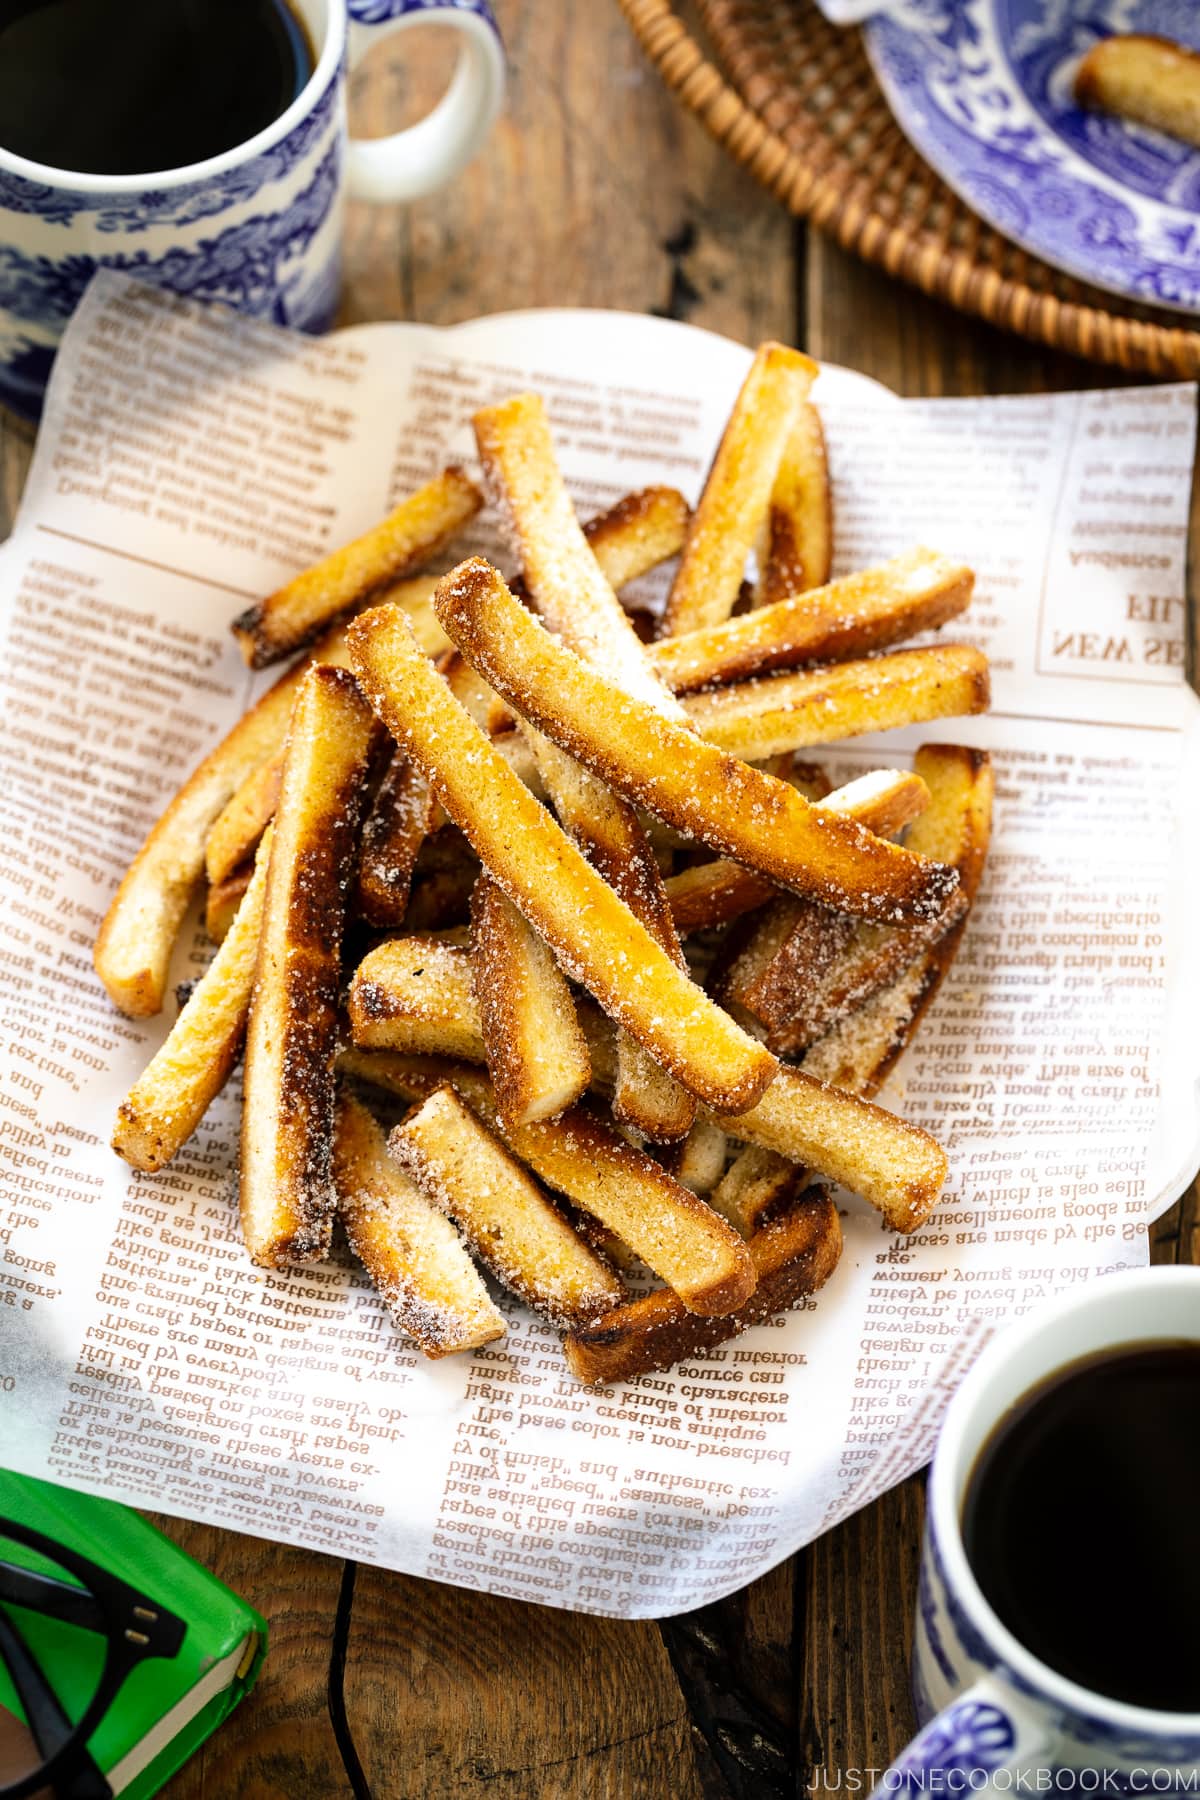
(597, 191)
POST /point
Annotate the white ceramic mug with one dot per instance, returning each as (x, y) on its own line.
(994, 1717)
(259, 226)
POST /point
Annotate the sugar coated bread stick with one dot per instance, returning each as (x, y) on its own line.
(134, 944)
(537, 1055)
(293, 615)
(731, 510)
(594, 936)
(846, 618)
(287, 1199)
(415, 993)
(637, 533)
(562, 575)
(173, 1093)
(397, 825)
(756, 1182)
(740, 811)
(795, 548)
(793, 1255)
(755, 719)
(1152, 80)
(409, 1248)
(566, 583)
(239, 826)
(863, 1046)
(506, 1218)
(896, 1167)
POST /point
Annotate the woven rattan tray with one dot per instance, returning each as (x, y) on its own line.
(803, 112)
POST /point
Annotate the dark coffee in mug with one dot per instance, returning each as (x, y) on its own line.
(132, 87)
(1080, 1523)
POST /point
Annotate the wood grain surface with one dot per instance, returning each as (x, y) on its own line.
(596, 191)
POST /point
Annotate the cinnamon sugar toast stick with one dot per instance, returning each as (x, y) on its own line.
(713, 893)
(850, 617)
(415, 993)
(505, 1216)
(411, 1251)
(637, 533)
(756, 1182)
(537, 1055)
(293, 615)
(794, 1255)
(1152, 80)
(568, 586)
(133, 947)
(287, 1197)
(756, 719)
(731, 510)
(222, 901)
(594, 936)
(896, 1167)
(862, 1048)
(400, 819)
(173, 1093)
(608, 831)
(741, 812)
(239, 826)
(795, 549)
(579, 1156)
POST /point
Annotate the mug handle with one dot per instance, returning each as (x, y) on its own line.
(427, 155)
(986, 1731)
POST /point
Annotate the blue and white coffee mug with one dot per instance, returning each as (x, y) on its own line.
(994, 1717)
(259, 226)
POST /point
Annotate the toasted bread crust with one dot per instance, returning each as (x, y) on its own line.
(415, 994)
(509, 1222)
(293, 615)
(1152, 80)
(221, 902)
(411, 1251)
(712, 893)
(757, 719)
(796, 545)
(582, 1158)
(738, 490)
(286, 1190)
(570, 590)
(756, 1184)
(740, 811)
(133, 946)
(699, 1162)
(174, 1091)
(637, 533)
(896, 1167)
(861, 1050)
(238, 827)
(851, 617)
(593, 934)
(397, 825)
(537, 1056)
(562, 576)
(793, 1256)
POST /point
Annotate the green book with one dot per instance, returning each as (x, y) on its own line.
(166, 1708)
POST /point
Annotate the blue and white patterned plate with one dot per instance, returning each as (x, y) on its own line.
(983, 88)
